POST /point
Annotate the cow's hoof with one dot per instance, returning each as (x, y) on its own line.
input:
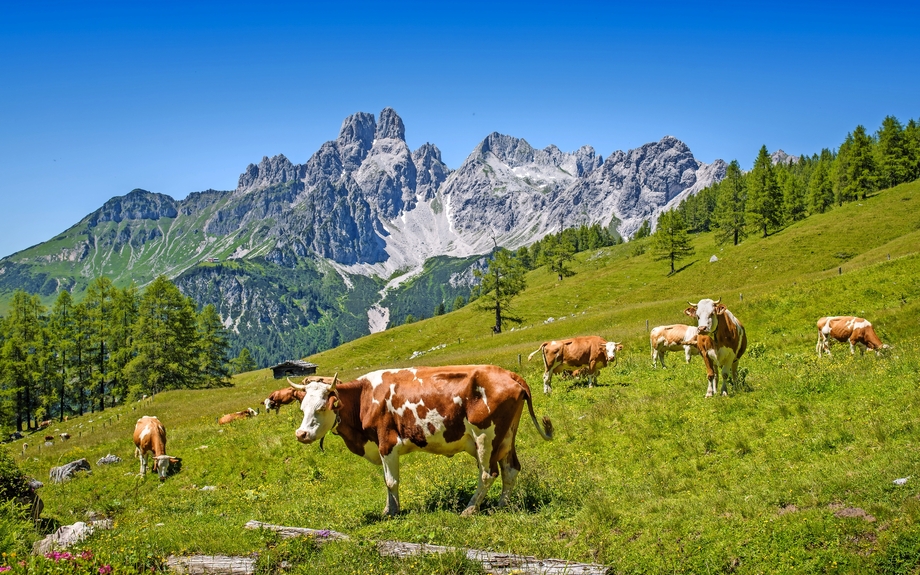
(546, 390)
(468, 512)
(724, 394)
(708, 394)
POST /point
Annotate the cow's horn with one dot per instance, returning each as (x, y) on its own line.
(692, 304)
(335, 378)
(718, 300)
(296, 385)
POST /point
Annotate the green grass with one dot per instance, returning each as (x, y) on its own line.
(644, 475)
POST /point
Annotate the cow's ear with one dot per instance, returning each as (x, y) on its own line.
(720, 308)
(333, 403)
(691, 311)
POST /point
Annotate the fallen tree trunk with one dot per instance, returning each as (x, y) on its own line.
(211, 564)
(321, 535)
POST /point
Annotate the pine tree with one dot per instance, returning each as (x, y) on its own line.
(212, 349)
(729, 213)
(893, 153)
(861, 168)
(820, 185)
(500, 283)
(458, 303)
(20, 355)
(558, 251)
(912, 137)
(763, 195)
(164, 341)
(243, 362)
(670, 240)
(100, 305)
(792, 187)
(644, 231)
(127, 302)
(62, 343)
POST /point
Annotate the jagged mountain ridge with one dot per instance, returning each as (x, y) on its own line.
(364, 205)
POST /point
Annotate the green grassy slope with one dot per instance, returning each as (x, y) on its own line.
(644, 475)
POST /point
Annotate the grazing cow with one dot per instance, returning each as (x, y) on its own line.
(443, 410)
(49, 438)
(248, 412)
(150, 436)
(856, 330)
(65, 436)
(281, 397)
(721, 342)
(665, 338)
(590, 352)
(45, 424)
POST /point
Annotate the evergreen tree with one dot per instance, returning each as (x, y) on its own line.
(820, 185)
(62, 344)
(440, 309)
(861, 168)
(20, 356)
(893, 153)
(557, 252)
(127, 302)
(764, 202)
(670, 241)
(458, 303)
(729, 214)
(644, 231)
(164, 341)
(792, 187)
(912, 145)
(213, 370)
(80, 357)
(243, 362)
(500, 283)
(100, 306)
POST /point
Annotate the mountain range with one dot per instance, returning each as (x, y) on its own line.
(301, 257)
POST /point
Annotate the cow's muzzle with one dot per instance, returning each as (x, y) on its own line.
(304, 437)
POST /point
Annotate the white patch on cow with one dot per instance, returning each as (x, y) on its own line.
(481, 391)
(861, 324)
(458, 400)
(376, 377)
(145, 433)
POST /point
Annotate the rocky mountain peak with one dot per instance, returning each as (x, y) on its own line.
(275, 170)
(390, 125)
(781, 157)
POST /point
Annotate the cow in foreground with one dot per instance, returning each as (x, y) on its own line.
(679, 337)
(721, 342)
(855, 330)
(589, 352)
(231, 417)
(443, 410)
(150, 436)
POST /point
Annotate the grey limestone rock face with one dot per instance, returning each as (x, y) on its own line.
(268, 172)
(136, 205)
(430, 171)
(781, 157)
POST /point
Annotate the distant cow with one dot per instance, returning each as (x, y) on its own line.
(65, 436)
(443, 410)
(248, 412)
(665, 338)
(856, 330)
(590, 352)
(49, 438)
(281, 397)
(721, 342)
(150, 436)
(45, 424)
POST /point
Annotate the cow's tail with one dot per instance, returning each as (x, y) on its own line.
(529, 357)
(546, 431)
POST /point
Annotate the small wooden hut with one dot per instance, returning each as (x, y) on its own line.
(293, 368)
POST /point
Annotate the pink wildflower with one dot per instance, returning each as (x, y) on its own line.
(105, 569)
(5, 568)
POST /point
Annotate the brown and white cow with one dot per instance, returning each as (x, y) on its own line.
(590, 352)
(442, 410)
(230, 417)
(856, 330)
(679, 337)
(721, 342)
(281, 397)
(150, 436)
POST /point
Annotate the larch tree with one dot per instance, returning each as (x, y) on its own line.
(893, 155)
(729, 214)
(671, 241)
(764, 201)
(499, 285)
(212, 348)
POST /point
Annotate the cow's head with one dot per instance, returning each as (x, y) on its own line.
(252, 412)
(706, 312)
(612, 347)
(269, 404)
(319, 405)
(161, 465)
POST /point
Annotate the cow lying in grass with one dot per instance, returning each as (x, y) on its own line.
(231, 417)
(443, 410)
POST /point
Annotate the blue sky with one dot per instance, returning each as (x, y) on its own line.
(99, 98)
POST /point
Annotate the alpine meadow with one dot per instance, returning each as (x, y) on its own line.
(808, 465)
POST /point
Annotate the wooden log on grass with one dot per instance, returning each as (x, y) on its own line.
(211, 564)
(321, 535)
